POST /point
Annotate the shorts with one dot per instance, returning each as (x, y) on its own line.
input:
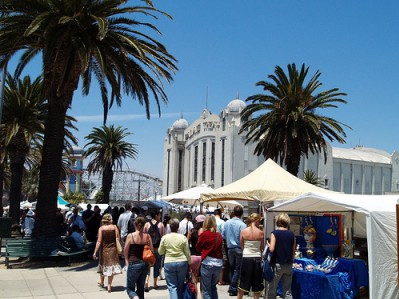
(250, 275)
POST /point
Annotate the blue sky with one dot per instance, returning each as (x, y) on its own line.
(224, 47)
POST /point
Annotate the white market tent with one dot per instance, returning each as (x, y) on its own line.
(191, 196)
(269, 182)
(376, 213)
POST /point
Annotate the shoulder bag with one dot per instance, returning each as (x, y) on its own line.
(118, 243)
(148, 254)
(267, 270)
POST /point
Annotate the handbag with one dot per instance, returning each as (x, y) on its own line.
(267, 270)
(118, 245)
(189, 288)
(148, 254)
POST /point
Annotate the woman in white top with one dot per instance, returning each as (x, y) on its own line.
(252, 243)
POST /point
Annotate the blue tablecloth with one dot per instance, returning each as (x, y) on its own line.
(316, 285)
(357, 270)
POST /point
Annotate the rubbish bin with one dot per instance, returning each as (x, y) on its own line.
(5, 227)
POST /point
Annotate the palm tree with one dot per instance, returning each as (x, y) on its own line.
(80, 39)
(286, 123)
(109, 150)
(310, 177)
(25, 111)
(23, 122)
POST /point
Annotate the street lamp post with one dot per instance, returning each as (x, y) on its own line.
(138, 189)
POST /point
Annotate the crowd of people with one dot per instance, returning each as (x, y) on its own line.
(209, 250)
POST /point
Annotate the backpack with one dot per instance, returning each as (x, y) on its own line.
(267, 270)
(131, 228)
(153, 231)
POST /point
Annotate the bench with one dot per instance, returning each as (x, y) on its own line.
(36, 248)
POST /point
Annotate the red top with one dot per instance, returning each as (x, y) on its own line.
(210, 244)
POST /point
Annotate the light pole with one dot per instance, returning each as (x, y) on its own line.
(138, 189)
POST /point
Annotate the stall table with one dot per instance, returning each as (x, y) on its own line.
(312, 285)
(325, 286)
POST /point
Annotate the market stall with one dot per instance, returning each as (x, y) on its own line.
(370, 217)
(268, 183)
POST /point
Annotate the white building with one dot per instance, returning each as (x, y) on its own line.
(210, 151)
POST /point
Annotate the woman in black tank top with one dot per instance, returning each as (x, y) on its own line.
(136, 268)
(282, 245)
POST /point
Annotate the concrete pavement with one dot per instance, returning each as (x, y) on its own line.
(78, 281)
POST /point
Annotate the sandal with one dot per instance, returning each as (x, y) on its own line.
(109, 289)
(100, 284)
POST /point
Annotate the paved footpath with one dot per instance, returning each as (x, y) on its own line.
(71, 282)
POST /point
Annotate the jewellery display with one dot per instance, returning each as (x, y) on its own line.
(328, 265)
(332, 230)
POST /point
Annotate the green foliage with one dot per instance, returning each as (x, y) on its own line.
(310, 177)
(80, 41)
(75, 197)
(108, 151)
(286, 122)
(99, 197)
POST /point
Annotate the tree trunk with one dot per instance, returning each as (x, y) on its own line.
(107, 179)
(50, 171)
(293, 158)
(59, 95)
(1, 188)
(17, 170)
(18, 151)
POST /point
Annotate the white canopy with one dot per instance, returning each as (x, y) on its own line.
(268, 182)
(376, 213)
(189, 195)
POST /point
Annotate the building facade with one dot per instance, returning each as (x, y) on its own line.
(210, 151)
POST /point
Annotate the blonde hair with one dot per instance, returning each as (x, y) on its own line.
(283, 220)
(107, 219)
(209, 223)
(252, 218)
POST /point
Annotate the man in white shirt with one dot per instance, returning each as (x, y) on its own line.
(185, 226)
(219, 228)
(219, 221)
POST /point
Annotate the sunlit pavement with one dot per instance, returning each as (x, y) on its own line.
(71, 282)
